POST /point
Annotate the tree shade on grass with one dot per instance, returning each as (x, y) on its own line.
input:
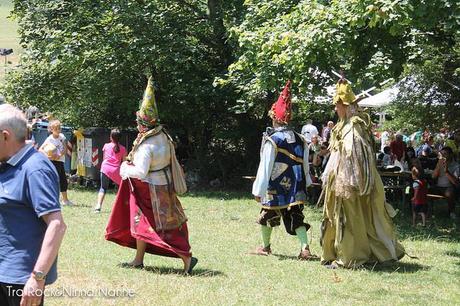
(222, 233)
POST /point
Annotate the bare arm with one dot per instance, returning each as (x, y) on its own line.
(437, 170)
(452, 179)
(52, 241)
(64, 152)
(50, 247)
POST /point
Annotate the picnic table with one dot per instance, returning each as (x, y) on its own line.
(395, 178)
(396, 183)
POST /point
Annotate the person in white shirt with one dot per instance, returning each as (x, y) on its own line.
(327, 131)
(447, 174)
(384, 140)
(309, 130)
(55, 148)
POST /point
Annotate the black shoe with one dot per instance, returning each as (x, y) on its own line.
(193, 263)
(130, 265)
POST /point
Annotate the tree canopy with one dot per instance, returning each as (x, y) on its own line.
(218, 65)
(371, 40)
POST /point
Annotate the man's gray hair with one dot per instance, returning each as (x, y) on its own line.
(13, 120)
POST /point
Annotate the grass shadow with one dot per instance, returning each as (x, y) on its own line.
(290, 257)
(453, 253)
(220, 195)
(397, 267)
(198, 272)
(438, 228)
(433, 232)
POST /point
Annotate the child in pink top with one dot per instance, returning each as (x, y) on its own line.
(114, 154)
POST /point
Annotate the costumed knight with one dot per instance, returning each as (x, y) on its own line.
(282, 178)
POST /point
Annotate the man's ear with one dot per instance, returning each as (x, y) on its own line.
(6, 134)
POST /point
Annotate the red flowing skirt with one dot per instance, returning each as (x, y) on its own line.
(132, 218)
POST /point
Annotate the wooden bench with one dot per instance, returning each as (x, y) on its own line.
(395, 183)
(315, 191)
(431, 199)
(397, 188)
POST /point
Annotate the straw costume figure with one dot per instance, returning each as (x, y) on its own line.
(357, 226)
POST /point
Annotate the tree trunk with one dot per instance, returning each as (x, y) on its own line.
(220, 34)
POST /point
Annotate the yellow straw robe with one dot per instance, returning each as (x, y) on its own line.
(357, 227)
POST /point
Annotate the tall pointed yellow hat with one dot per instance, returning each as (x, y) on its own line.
(344, 93)
(148, 114)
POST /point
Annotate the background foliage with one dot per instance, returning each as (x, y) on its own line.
(371, 40)
(218, 65)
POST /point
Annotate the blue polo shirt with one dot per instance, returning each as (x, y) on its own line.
(29, 189)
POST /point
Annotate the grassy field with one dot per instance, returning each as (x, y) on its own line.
(8, 37)
(223, 231)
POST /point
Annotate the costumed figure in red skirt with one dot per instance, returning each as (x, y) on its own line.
(147, 215)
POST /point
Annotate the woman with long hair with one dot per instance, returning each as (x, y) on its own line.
(114, 154)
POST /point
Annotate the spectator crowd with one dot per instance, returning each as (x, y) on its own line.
(434, 156)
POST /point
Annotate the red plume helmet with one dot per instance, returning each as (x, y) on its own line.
(281, 109)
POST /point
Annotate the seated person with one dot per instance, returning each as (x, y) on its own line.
(387, 158)
(320, 160)
(427, 149)
(410, 152)
(447, 173)
(427, 154)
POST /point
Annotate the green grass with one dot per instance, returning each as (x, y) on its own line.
(222, 233)
(9, 37)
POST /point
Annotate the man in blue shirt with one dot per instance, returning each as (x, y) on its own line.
(31, 224)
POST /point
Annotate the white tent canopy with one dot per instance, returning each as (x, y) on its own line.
(381, 99)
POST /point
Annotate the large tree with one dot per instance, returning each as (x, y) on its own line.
(371, 40)
(87, 61)
(218, 65)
